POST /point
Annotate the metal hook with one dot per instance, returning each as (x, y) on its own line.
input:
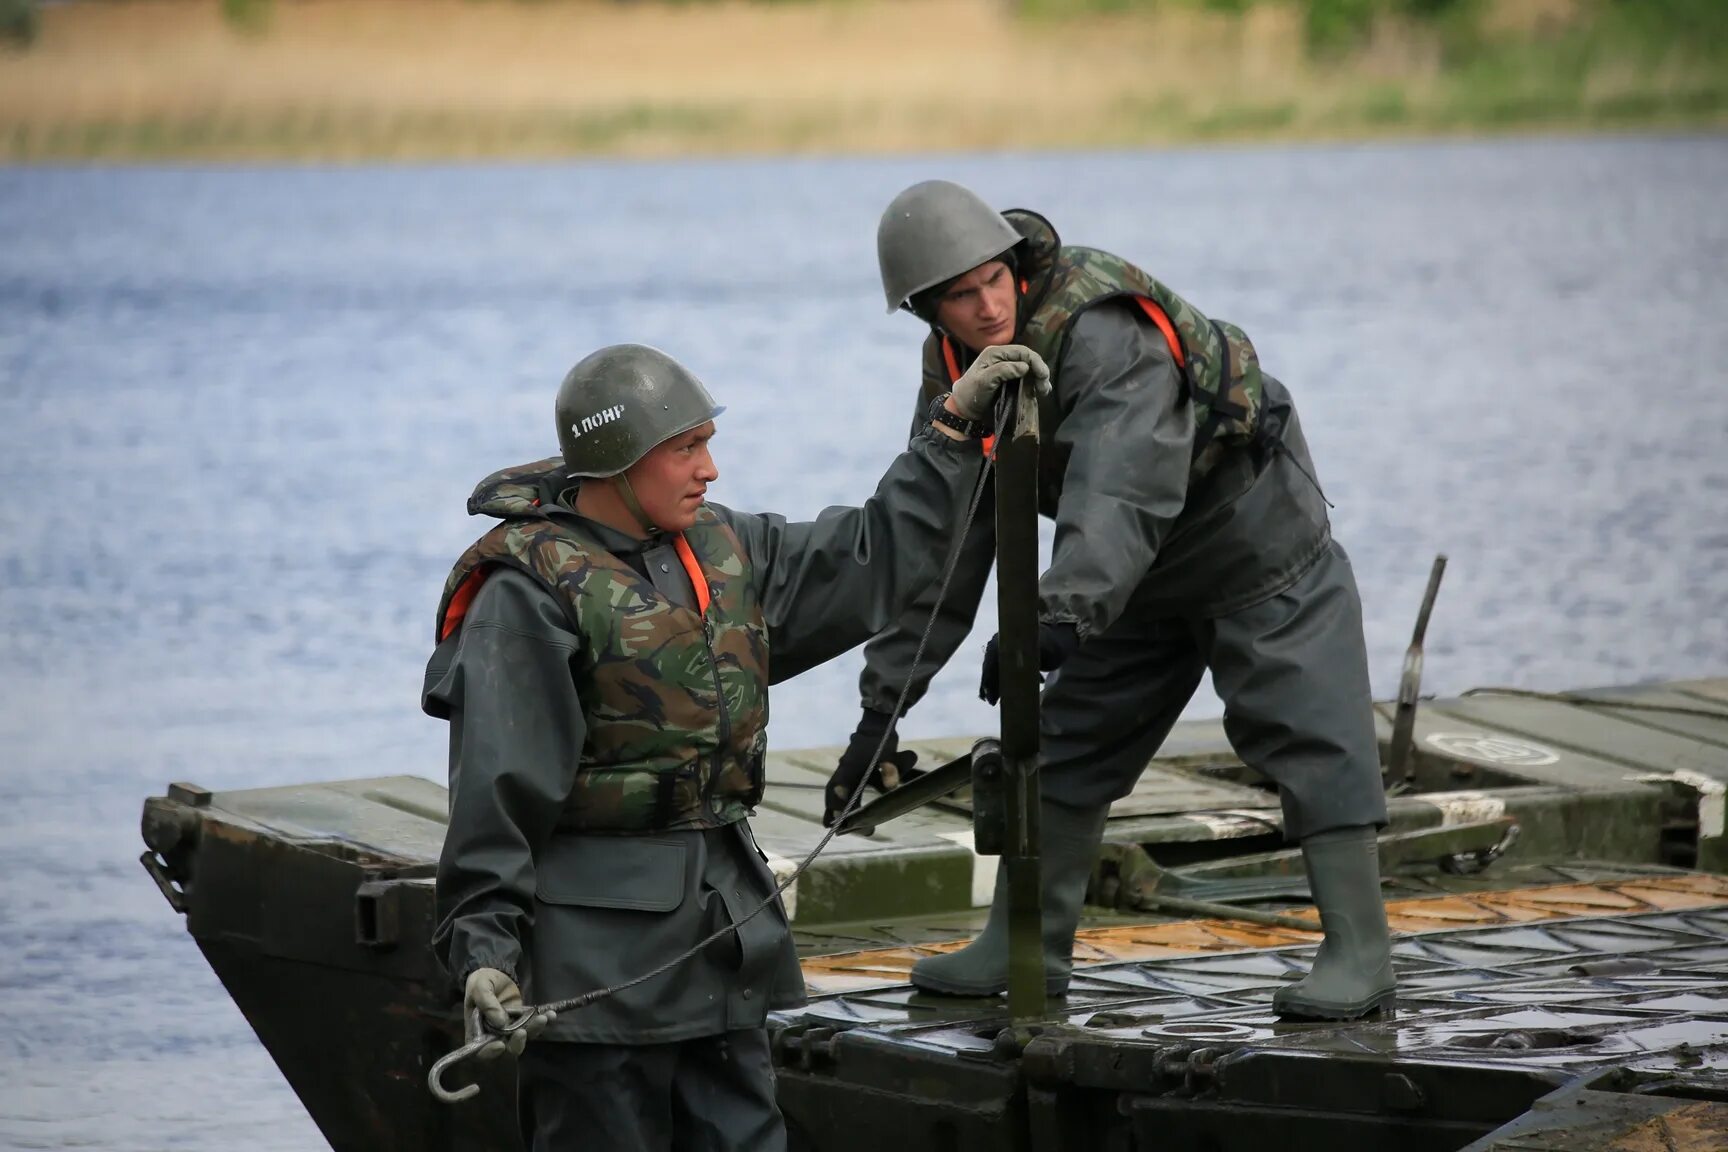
(485, 1036)
(435, 1078)
(1469, 863)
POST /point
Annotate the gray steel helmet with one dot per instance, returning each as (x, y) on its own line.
(933, 232)
(619, 402)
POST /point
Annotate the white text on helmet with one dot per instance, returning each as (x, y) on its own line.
(589, 423)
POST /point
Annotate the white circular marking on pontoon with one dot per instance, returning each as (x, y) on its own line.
(1201, 1030)
(1493, 749)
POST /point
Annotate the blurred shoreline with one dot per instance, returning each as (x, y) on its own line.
(321, 80)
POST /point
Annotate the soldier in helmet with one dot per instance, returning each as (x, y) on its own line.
(604, 655)
(1191, 534)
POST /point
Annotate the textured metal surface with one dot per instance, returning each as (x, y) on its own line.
(1184, 1053)
(1585, 1119)
(1128, 943)
(1648, 993)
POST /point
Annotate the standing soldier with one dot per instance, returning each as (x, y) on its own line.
(1190, 534)
(604, 662)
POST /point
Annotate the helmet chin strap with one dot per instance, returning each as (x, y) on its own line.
(627, 494)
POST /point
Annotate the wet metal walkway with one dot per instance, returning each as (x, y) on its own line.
(1546, 1033)
(1134, 943)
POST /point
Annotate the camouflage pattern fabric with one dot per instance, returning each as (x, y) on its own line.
(1220, 368)
(676, 702)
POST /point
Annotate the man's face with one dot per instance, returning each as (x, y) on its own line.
(978, 309)
(672, 480)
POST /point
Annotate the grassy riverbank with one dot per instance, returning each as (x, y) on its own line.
(335, 79)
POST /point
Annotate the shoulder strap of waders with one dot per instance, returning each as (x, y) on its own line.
(1220, 407)
(665, 797)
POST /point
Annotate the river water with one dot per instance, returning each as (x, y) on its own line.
(241, 409)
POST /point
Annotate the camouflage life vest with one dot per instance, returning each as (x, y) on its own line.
(676, 701)
(1219, 368)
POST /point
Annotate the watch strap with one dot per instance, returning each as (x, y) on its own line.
(940, 414)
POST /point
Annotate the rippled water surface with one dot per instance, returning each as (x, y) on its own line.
(240, 412)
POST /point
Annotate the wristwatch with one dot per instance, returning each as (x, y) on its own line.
(940, 414)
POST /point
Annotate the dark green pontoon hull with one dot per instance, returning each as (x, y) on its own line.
(1602, 1024)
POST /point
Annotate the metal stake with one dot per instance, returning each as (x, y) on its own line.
(1017, 646)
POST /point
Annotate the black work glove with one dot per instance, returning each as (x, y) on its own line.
(1056, 642)
(856, 769)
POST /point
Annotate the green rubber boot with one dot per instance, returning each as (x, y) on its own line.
(1352, 973)
(1068, 846)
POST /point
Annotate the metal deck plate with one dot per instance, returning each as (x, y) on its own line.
(1617, 1024)
(1097, 949)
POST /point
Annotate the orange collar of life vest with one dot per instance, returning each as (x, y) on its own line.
(464, 595)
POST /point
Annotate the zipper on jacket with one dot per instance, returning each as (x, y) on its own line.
(725, 719)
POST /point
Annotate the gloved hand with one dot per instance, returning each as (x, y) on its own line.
(499, 1002)
(975, 391)
(1056, 642)
(856, 767)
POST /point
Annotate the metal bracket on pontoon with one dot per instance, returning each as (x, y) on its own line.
(1398, 765)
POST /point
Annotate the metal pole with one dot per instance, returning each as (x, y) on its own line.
(1398, 763)
(1017, 645)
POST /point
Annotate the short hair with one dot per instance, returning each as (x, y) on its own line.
(923, 304)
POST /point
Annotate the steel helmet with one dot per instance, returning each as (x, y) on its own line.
(617, 404)
(933, 232)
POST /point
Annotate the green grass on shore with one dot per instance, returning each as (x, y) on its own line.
(1382, 112)
(1615, 65)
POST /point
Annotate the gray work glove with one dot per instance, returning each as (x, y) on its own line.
(975, 391)
(496, 998)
